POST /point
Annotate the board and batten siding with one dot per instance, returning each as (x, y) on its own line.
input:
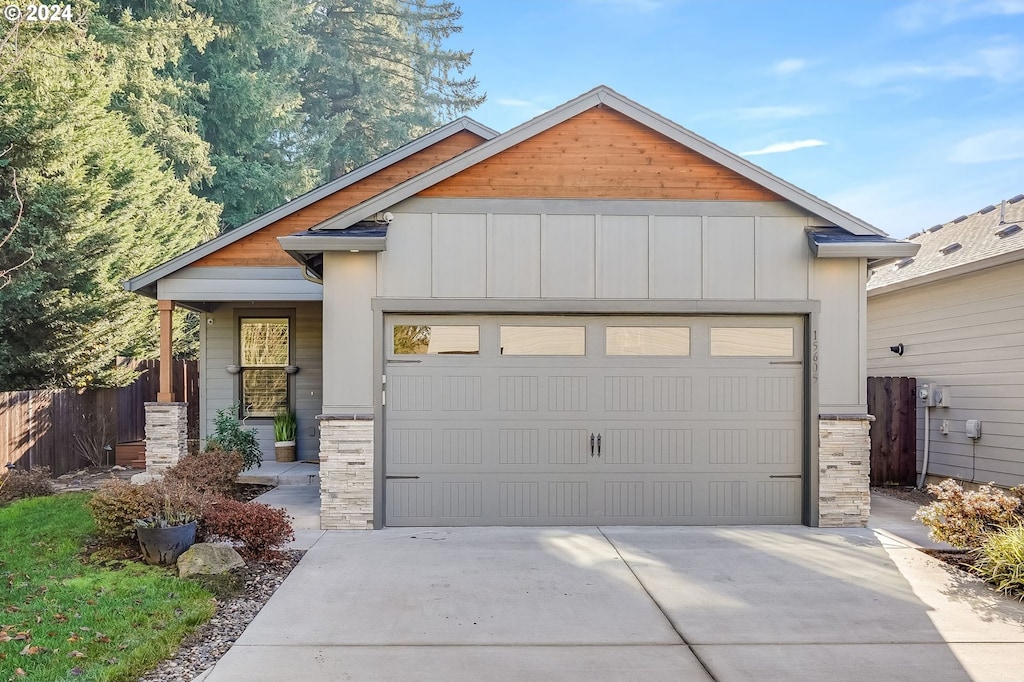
(598, 250)
(967, 333)
(219, 389)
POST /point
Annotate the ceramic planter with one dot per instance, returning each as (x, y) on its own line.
(165, 545)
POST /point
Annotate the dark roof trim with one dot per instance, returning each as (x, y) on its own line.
(608, 97)
(838, 243)
(146, 282)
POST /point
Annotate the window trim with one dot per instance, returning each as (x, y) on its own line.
(262, 313)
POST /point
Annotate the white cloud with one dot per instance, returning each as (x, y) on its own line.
(923, 14)
(788, 66)
(630, 6)
(512, 102)
(1001, 63)
(996, 145)
(781, 147)
(777, 112)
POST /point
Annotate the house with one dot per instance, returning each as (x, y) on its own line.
(595, 317)
(958, 309)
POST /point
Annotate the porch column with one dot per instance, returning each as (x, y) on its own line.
(166, 419)
(165, 394)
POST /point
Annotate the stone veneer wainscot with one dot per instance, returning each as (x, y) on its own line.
(844, 458)
(166, 435)
(346, 471)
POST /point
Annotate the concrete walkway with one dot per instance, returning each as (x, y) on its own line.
(626, 603)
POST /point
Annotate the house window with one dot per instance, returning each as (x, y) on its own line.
(265, 352)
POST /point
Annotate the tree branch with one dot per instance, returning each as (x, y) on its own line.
(7, 274)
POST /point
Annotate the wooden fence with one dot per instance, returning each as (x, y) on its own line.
(65, 429)
(893, 402)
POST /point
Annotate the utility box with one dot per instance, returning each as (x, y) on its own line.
(974, 429)
(933, 395)
(943, 397)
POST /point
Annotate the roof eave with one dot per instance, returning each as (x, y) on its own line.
(141, 283)
(874, 250)
(936, 275)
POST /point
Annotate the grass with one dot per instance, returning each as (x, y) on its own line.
(65, 619)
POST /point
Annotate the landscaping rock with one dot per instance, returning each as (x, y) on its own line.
(206, 558)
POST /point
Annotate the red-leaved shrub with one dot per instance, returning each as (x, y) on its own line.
(965, 518)
(260, 529)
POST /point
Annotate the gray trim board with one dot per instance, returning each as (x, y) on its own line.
(143, 283)
(590, 306)
(862, 248)
(641, 207)
(316, 244)
(602, 95)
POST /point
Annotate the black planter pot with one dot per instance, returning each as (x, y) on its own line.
(165, 545)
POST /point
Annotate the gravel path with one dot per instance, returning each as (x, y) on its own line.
(205, 646)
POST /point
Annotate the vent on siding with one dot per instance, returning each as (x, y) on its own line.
(949, 248)
(987, 209)
(960, 219)
(903, 262)
(1007, 231)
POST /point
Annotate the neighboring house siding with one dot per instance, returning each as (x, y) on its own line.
(600, 153)
(220, 389)
(261, 248)
(965, 332)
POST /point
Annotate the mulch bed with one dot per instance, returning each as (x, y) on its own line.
(905, 493)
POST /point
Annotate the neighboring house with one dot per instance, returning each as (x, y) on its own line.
(596, 317)
(958, 309)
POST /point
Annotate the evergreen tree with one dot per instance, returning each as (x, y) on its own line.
(96, 205)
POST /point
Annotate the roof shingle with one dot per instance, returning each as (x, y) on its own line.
(980, 235)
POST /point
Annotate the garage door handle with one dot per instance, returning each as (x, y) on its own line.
(786, 476)
(400, 477)
(403, 362)
(599, 445)
(591, 445)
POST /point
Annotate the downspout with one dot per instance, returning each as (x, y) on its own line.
(927, 429)
(310, 276)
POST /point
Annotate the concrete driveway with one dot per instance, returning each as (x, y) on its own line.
(624, 603)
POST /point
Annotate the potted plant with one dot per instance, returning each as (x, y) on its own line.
(164, 536)
(285, 426)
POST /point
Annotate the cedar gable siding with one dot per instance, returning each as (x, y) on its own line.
(262, 249)
(600, 154)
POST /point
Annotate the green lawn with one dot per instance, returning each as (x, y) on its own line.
(63, 619)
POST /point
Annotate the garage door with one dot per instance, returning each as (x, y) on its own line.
(517, 420)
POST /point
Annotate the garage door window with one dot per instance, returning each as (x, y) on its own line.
(543, 340)
(751, 341)
(664, 341)
(416, 339)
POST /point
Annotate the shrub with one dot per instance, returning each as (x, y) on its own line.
(17, 484)
(118, 504)
(1000, 560)
(285, 426)
(965, 518)
(229, 436)
(210, 471)
(260, 529)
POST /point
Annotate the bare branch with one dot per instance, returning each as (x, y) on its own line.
(7, 274)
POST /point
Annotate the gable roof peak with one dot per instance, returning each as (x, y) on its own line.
(602, 95)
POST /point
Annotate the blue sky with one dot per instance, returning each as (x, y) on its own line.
(904, 113)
